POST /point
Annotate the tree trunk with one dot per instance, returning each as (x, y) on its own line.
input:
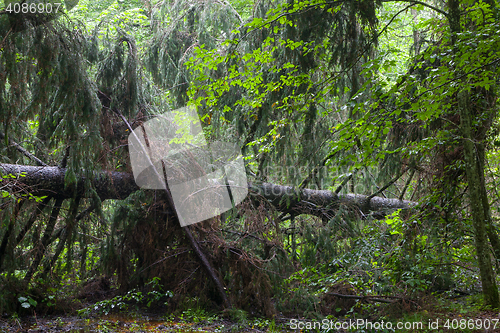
(474, 167)
(39, 253)
(490, 228)
(479, 203)
(10, 228)
(49, 181)
(70, 222)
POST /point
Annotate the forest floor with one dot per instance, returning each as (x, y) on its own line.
(126, 323)
(435, 314)
(119, 323)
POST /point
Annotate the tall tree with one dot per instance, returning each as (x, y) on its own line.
(475, 118)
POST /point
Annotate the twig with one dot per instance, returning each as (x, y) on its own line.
(407, 184)
(94, 237)
(165, 258)
(313, 173)
(388, 184)
(24, 151)
(371, 298)
(242, 235)
(366, 298)
(337, 191)
(7, 35)
(415, 2)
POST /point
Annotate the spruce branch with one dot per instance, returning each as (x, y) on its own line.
(395, 179)
(24, 151)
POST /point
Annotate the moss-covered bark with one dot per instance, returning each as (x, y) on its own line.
(49, 181)
(474, 165)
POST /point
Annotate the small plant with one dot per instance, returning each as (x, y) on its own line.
(49, 300)
(260, 323)
(27, 302)
(272, 327)
(238, 315)
(105, 307)
(121, 303)
(59, 322)
(85, 312)
(194, 315)
(157, 292)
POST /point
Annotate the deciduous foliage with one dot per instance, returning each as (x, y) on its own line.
(330, 125)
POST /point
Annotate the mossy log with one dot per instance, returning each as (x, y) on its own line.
(49, 181)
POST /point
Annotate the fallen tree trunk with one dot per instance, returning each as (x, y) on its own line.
(297, 201)
(49, 181)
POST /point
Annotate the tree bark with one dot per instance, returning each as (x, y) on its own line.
(70, 222)
(474, 166)
(49, 181)
(38, 209)
(479, 203)
(40, 251)
(321, 203)
(10, 228)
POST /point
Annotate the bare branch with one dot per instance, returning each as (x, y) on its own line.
(24, 151)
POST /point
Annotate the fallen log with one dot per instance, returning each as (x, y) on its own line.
(297, 201)
(374, 298)
(49, 181)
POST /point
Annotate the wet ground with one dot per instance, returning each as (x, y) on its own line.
(118, 323)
